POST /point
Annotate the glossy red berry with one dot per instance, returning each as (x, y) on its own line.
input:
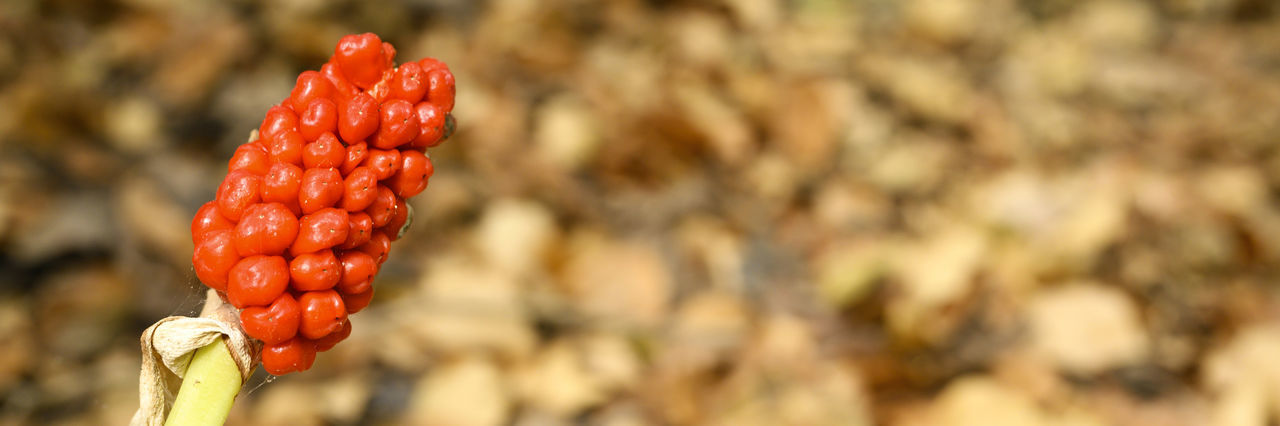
(321, 188)
(274, 324)
(208, 219)
(342, 89)
(356, 154)
(409, 83)
(400, 221)
(238, 191)
(383, 162)
(383, 207)
(361, 187)
(322, 313)
(315, 271)
(282, 184)
(321, 230)
(285, 147)
(397, 126)
(378, 247)
(415, 170)
(325, 152)
(361, 59)
(257, 281)
(310, 86)
(214, 257)
(328, 342)
(249, 157)
(320, 117)
(357, 302)
(389, 54)
(431, 123)
(296, 354)
(279, 118)
(440, 88)
(429, 64)
(358, 118)
(267, 228)
(358, 270)
(359, 231)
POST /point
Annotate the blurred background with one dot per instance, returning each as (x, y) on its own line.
(721, 212)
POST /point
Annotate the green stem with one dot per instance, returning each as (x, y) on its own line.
(208, 389)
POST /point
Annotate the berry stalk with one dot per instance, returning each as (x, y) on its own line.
(208, 389)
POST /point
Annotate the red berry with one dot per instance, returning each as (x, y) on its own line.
(383, 207)
(285, 146)
(311, 85)
(266, 229)
(378, 247)
(238, 191)
(274, 324)
(356, 288)
(440, 88)
(257, 281)
(250, 157)
(361, 59)
(383, 163)
(359, 231)
(430, 126)
(409, 83)
(296, 354)
(281, 185)
(325, 152)
(398, 125)
(358, 301)
(307, 212)
(356, 153)
(361, 187)
(321, 230)
(322, 313)
(363, 287)
(315, 271)
(214, 257)
(358, 118)
(389, 54)
(320, 117)
(400, 221)
(358, 270)
(342, 89)
(279, 118)
(321, 188)
(415, 170)
(328, 342)
(429, 64)
(207, 220)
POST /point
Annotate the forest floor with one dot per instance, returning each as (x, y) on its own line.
(731, 212)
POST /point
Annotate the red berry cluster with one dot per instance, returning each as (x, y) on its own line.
(308, 210)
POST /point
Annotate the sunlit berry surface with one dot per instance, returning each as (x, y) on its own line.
(285, 229)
